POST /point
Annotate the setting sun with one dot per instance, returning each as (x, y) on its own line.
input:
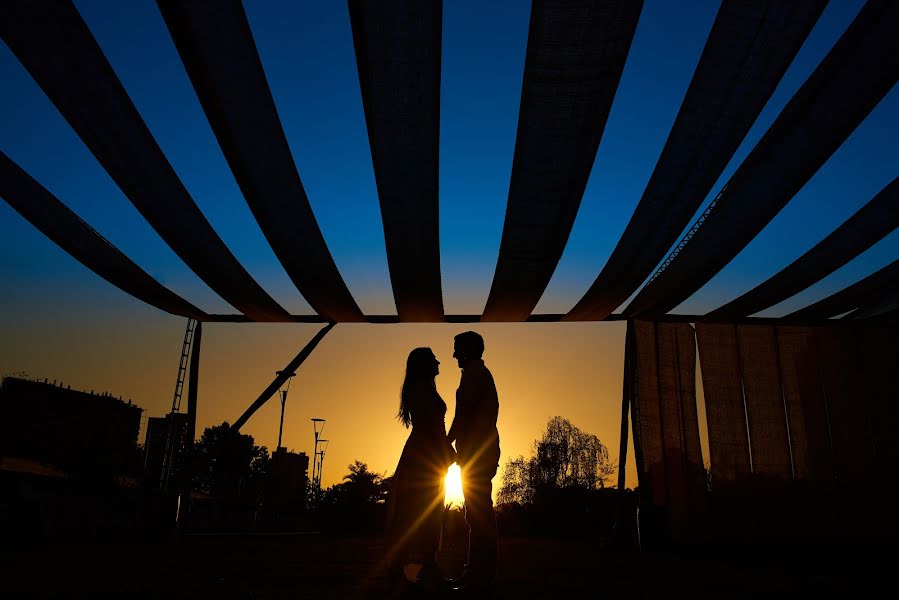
(453, 494)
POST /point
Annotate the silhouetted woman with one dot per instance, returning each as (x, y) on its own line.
(415, 505)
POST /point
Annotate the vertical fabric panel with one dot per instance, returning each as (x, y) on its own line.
(804, 398)
(666, 438)
(879, 353)
(670, 411)
(626, 401)
(686, 353)
(769, 441)
(852, 448)
(728, 440)
(677, 394)
(676, 345)
(647, 414)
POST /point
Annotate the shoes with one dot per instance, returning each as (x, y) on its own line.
(462, 579)
(473, 588)
(470, 584)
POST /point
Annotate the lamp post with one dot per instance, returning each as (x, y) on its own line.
(283, 402)
(317, 426)
(321, 461)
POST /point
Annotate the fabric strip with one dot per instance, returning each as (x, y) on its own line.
(575, 56)
(57, 48)
(815, 122)
(748, 51)
(398, 48)
(217, 48)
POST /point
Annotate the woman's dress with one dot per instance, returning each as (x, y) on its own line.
(415, 504)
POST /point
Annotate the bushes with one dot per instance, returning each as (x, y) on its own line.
(572, 512)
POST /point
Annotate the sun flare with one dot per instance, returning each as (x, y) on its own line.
(453, 494)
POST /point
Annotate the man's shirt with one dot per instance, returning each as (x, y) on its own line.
(477, 407)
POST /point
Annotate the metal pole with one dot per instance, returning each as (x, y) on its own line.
(315, 460)
(318, 426)
(315, 469)
(283, 376)
(321, 463)
(281, 426)
(621, 519)
(289, 376)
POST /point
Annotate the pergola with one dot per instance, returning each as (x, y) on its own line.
(576, 53)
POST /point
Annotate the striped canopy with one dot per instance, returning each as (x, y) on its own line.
(576, 52)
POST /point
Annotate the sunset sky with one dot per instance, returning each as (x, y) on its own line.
(59, 320)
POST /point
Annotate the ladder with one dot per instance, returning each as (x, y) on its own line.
(182, 366)
(172, 441)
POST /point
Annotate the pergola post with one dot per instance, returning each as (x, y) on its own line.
(621, 517)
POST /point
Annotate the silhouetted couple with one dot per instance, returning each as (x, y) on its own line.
(415, 506)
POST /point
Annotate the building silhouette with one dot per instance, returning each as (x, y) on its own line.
(77, 431)
(285, 487)
(165, 439)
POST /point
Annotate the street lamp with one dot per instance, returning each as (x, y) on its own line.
(317, 426)
(283, 391)
(321, 461)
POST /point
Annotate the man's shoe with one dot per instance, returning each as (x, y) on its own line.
(474, 587)
(459, 580)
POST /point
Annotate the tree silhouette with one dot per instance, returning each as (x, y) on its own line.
(564, 457)
(355, 505)
(228, 464)
(361, 486)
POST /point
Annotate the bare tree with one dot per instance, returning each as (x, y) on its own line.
(563, 457)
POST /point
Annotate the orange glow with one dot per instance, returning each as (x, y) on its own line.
(353, 378)
(453, 493)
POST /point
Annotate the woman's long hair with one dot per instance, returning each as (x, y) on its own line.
(419, 374)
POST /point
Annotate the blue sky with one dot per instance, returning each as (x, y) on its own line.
(307, 53)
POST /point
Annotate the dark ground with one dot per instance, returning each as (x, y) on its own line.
(261, 566)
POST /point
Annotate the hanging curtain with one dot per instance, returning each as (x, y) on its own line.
(805, 403)
(839, 358)
(803, 428)
(666, 429)
(725, 413)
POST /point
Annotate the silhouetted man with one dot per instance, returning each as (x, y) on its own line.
(477, 447)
